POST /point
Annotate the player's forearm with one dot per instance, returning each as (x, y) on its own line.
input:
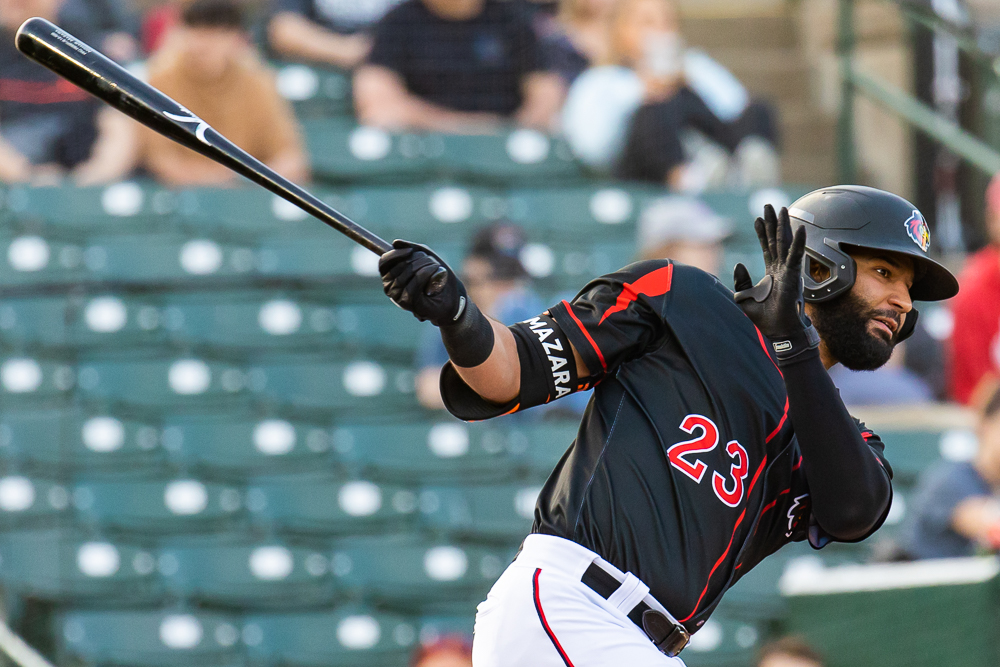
(498, 379)
(296, 37)
(849, 488)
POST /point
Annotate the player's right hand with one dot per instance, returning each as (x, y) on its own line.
(776, 303)
(407, 271)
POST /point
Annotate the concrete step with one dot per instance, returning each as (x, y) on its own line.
(757, 32)
(776, 74)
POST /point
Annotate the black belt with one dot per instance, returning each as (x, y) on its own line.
(668, 636)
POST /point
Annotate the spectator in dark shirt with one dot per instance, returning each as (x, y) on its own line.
(48, 127)
(335, 32)
(956, 511)
(576, 37)
(456, 66)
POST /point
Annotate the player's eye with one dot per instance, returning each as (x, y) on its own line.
(885, 273)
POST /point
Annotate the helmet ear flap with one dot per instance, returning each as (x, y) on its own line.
(909, 325)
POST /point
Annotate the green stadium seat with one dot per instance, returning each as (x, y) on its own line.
(38, 321)
(498, 512)
(176, 506)
(247, 575)
(150, 638)
(445, 211)
(352, 636)
(158, 382)
(31, 501)
(30, 379)
(315, 92)
(70, 567)
(320, 504)
(725, 642)
(315, 383)
(429, 451)
(245, 211)
(129, 205)
(164, 256)
(116, 322)
(232, 446)
(588, 211)
(32, 259)
(329, 255)
(408, 572)
(514, 156)
(342, 151)
(911, 452)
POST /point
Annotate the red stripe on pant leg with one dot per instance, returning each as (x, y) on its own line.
(545, 624)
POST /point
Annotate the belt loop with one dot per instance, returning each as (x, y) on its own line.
(629, 594)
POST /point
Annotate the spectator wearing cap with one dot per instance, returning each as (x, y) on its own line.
(974, 348)
(459, 66)
(448, 651)
(49, 128)
(682, 229)
(209, 66)
(789, 652)
(497, 283)
(955, 510)
(333, 32)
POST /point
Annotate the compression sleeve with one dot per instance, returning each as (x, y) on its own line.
(850, 486)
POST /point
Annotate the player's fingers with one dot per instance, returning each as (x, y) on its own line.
(797, 251)
(741, 278)
(784, 233)
(758, 227)
(393, 258)
(771, 227)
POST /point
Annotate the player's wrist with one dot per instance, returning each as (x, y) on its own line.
(796, 345)
(469, 339)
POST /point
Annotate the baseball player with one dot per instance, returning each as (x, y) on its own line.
(714, 435)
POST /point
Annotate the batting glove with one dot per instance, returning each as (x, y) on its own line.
(407, 271)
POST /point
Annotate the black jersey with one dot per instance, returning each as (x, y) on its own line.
(685, 471)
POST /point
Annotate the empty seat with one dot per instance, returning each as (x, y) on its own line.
(67, 566)
(112, 322)
(343, 151)
(243, 212)
(179, 505)
(166, 256)
(317, 256)
(503, 512)
(602, 210)
(426, 212)
(153, 638)
(347, 637)
(236, 446)
(33, 321)
(724, 641)
(128, 205)
(517, 156)
(31, 501)
(33, 258)
(320, 504)
(29, 378)
(412, 573)
(315, 91)
(158, 382)
(307, 382)
(247, 574)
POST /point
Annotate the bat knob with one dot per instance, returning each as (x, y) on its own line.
(437, 282)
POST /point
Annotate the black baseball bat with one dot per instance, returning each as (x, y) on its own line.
(67, 56)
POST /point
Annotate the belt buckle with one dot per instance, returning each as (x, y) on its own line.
(669, 637)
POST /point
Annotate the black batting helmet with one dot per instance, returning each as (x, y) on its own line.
(846, 216)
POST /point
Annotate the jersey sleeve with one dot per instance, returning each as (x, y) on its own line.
(617, 317)
(818, 538)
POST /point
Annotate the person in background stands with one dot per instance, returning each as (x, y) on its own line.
(682, 229)
(956, 510)
(974, 348)
(208, 66)
(789, 652)
(334, 32)
(49, 128)
(459, 66)
(449, 651)
(576, 37)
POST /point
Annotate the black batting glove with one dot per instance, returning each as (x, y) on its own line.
(407, 271)
(776, 303)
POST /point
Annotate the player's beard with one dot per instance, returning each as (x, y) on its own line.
(843, 325)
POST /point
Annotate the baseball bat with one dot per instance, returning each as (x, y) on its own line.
(75, 61)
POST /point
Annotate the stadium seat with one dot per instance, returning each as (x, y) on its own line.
(31, 259)
(167, 256)
(347, 637)
(316, 383)
(247, 575)
(182, 505)
(321, 504)
(724, 642)
(315, 92)
(245, 211)
(232, 446)
(40, 321)
(603, 211)
(342, 151)
(425, 213)
(911, 452)
(160, 382)
(26, 379)
(429, 451)
(516, 156)
(158, 638)
(328, 255)
(130, 205)
(411, 573)
(113, 322)
(498, 512)
(33, 501)
(70, 567)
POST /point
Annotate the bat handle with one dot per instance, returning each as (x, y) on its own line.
(437, 283)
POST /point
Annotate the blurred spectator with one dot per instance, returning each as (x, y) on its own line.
(576, 37)
(789, 652)
(682, 229)
(158, 22)
(335, 32)
(661, 113)
(974, 351)
(892, 384)
(49, 128)
(208, 66)
(955, 510)
(449, 651)
(456, 66)
(497, 283)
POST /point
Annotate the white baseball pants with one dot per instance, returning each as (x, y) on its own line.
(539, 614)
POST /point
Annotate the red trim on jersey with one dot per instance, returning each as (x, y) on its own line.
(729, 546)
(763, 344)
(569, 309)
(780, 424)
(545, 624)
(798, 464)
(654, 283)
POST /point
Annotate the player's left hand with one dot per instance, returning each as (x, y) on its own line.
(775, 304)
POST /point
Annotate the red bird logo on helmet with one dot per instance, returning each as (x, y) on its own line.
(916, 228)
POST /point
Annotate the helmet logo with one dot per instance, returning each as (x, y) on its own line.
(918, 231)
